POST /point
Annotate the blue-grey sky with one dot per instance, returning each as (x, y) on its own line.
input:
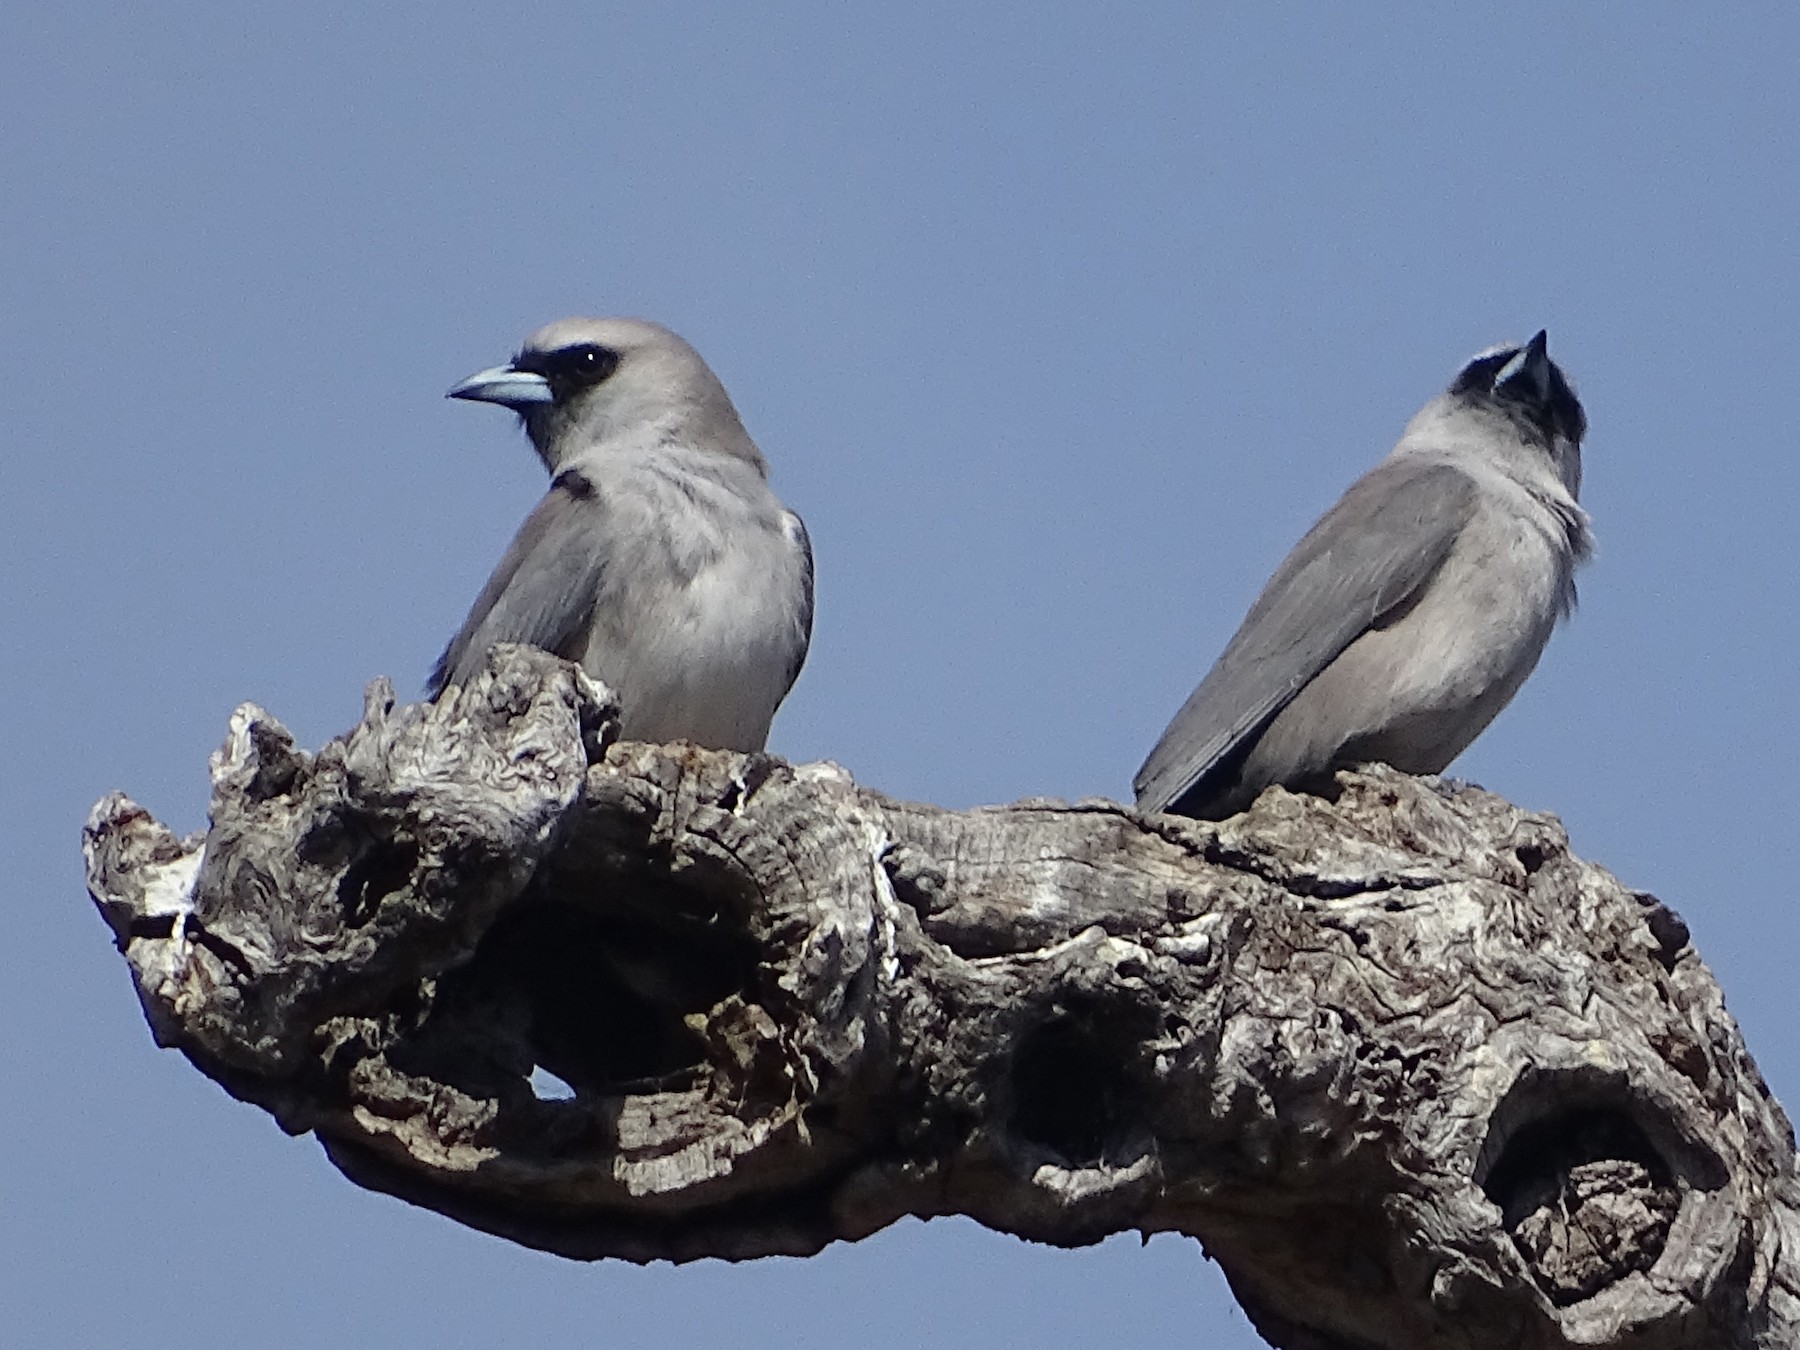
(1058, 325)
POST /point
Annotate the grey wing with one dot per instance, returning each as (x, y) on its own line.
(1370, 553)
(796, 532)
(544, 590)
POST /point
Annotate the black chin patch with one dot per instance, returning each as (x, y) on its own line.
(1558, 413)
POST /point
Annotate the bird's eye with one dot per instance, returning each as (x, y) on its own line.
(578, 367)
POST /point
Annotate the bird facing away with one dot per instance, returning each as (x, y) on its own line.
(660, 559)
(1409, 616)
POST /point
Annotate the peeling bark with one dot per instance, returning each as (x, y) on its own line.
(1413, 1073)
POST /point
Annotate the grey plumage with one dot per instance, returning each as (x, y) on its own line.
(1409, 616)
(660, 559)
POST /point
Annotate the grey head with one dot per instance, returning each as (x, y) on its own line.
(1518, 388)
(583, 385)
(1408, 616)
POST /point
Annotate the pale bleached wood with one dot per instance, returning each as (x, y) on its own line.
(1414, 1074)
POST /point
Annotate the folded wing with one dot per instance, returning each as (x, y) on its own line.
(544, 589)
(1368, 555)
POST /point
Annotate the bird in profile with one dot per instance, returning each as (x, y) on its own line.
(1409, 616)
(659, 559)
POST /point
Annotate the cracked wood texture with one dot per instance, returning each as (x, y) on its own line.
(1414, 1074)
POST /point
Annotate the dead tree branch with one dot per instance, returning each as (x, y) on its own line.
(1413, 1073)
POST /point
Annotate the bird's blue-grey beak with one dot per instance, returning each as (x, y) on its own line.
(1532, 365)
(506, 386)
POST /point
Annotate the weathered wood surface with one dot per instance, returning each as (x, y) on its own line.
(1413, 1073)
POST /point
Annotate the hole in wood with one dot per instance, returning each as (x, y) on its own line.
(1539, 1157)
(1072, 1091)
(378, 871)
(594, 990)
(1588, 1179)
